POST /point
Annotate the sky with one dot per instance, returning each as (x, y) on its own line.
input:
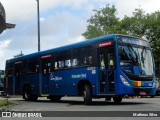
(61, 22)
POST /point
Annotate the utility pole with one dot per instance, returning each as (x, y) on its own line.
(38, 21)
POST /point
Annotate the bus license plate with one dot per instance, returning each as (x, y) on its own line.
(142, 92)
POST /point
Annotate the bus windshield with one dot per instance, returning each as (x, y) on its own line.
(135, 59)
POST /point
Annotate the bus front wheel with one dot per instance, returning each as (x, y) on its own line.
(87, 96)
(117, 99)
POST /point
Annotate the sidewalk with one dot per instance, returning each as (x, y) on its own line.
(2, 98)
(10, 96)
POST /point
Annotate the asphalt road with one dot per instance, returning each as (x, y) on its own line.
(76, 104)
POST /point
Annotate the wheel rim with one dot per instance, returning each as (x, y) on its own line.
(26, 94)
(84, 94)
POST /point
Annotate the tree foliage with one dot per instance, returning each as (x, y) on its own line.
(140, 24)
(104, 21)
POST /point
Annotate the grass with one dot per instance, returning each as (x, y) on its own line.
(4, 103)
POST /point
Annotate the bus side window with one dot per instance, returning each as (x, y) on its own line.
(56, 65)
(49, 67)
(86, 55)
(9, 72)
(46, 66)
(17, 68)
(61, 64)
(90, 60)
(37, 68)
(31, 65)
(76, 57)
(75, 62)
(67, 63)
(59, 61)
(24, 67)
(67, 58)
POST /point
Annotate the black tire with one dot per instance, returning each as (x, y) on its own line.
(55, 98)
(117, 99)
(34, 97)
(27, 94)
(152, 96)
(87, 95)
(108, 99)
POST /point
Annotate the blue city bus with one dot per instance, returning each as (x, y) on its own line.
(109, 66)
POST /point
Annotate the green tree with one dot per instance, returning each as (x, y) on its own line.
(135, 25)
(104, 21)
(153, 35)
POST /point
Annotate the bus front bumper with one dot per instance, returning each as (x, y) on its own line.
(137, 91)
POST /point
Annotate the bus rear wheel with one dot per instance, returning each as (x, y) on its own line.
(87, 95)
(27, 94)
(117, 99)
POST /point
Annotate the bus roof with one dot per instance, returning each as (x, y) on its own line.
(78, 44)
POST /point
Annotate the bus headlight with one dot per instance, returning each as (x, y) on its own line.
(124, 80)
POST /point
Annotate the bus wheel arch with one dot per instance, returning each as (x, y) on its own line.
(85, 89)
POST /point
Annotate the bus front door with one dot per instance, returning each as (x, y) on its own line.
(106, 65)
(45, 73)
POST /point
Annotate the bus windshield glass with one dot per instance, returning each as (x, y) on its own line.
(135, 57)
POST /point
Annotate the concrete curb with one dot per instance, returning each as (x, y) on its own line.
(2, 98)
(11, 96)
